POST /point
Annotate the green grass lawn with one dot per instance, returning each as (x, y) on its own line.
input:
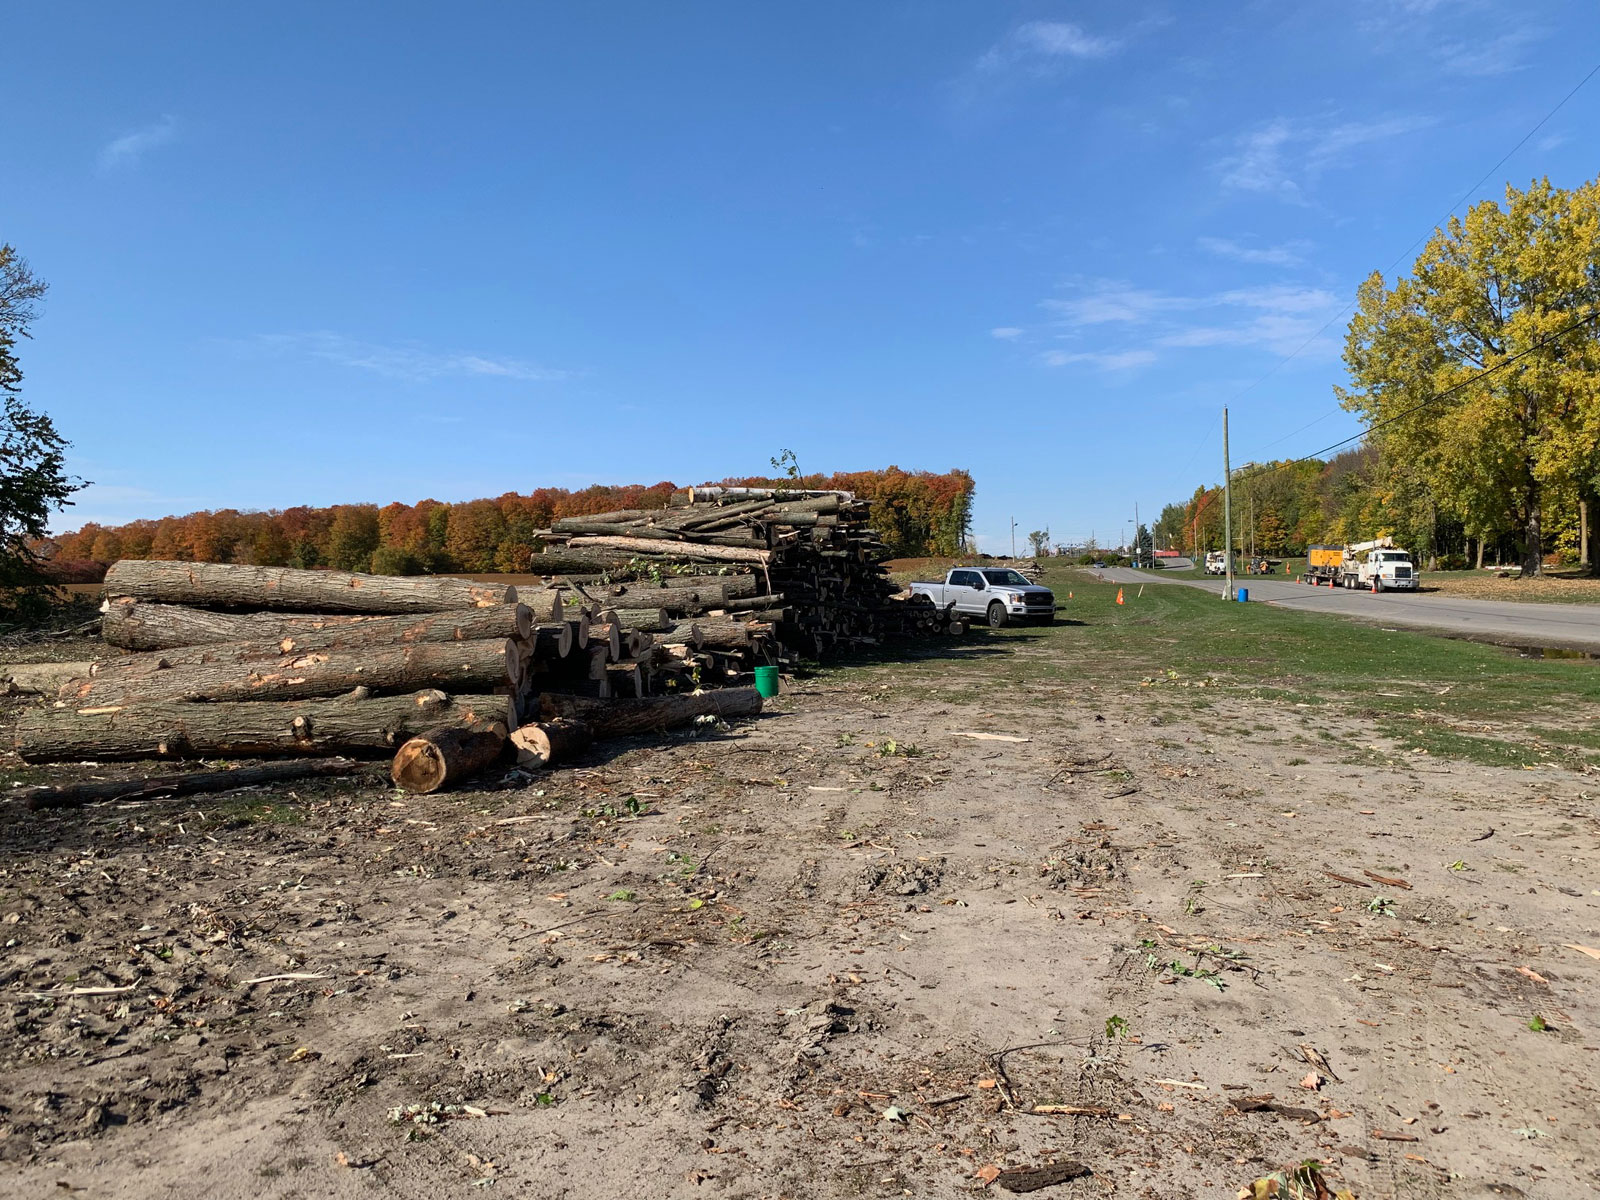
(1172, 645)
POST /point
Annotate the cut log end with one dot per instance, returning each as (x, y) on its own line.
(435, 759)
(545, 743)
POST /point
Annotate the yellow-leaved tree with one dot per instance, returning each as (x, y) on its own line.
(1502, 453)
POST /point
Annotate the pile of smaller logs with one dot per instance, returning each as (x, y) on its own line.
(803, 571)
(218, 660)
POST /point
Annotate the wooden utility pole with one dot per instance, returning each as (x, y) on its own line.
(1227, 510)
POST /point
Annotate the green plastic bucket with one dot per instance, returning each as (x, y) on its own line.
(767, 681)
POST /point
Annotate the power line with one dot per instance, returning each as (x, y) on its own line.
(1505, 158)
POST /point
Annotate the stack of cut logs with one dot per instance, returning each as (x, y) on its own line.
(638, 614)
(803, 569)
(240, 661)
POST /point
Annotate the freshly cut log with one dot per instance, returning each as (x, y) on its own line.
(445, 755)
(738, 554)
(618, 718)
(648, 620)
(544, 604)
(543, 743)
(74, 795)
(724, 633)
(608, 635)
(40, 679)
(780, 495)
(461, 665)
(308, 727)
(554, 641)
(269, 635)
(684, 633)
(553, 563)
(229, 584)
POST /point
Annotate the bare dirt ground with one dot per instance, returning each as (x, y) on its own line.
(796, 960)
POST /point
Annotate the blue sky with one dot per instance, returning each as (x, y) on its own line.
(326, 253)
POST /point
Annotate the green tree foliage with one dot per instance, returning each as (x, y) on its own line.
(1500, 453)
(1039, 542)
(353, 537)
(33, 478)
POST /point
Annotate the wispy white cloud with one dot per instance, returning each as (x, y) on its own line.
(1280, 319)
(1284, 157)
(1044, 44)
(1109, 301)
(1289, 254)
(1006, 333)
(1489, 56)
(1115, 360)
(127, 150)
(408, 362)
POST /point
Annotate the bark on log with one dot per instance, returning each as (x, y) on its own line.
(445, 755)
(726, 633)
(40, 679)
(484, 664)
(684, 633)
(648, 620)
(779, 495)
(311, 727)
(544, 743)
(618, 718)
(74, 795)
(188, 636)
(227, 584)
(737, 554)
(556, 562)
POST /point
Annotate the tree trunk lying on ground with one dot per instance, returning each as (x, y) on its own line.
(459, 665)
(39, 679)
(272, 635)
(305, 727)
(225, 584)
(144, 625)
(446, 755)
(618, 718)
(545, 743)
(72, 795)
(740, 554)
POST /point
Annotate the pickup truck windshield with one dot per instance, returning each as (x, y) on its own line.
(1007, 578)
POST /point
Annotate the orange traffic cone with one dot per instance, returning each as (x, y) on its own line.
(1069, 595)
(1119, 596)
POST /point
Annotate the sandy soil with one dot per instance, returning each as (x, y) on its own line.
(786, 962)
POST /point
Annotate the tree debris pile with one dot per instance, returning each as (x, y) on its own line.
(802, 571)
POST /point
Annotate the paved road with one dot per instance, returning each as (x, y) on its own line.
(1569, 625)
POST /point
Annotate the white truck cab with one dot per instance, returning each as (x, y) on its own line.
(1384, 569)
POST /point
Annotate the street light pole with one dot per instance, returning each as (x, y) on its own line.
(1227, 509)
(1013, 537)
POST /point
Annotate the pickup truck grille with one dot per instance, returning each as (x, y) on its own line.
(1045, 601)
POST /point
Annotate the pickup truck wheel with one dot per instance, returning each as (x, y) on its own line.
(997, 615)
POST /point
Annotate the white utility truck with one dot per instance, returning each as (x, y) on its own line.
(1378, 566)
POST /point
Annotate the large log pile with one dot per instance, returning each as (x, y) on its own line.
(796, 574)
(223, 660)
(235, 661)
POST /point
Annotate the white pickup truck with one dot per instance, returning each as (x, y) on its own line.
(997, 594)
